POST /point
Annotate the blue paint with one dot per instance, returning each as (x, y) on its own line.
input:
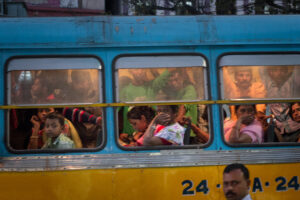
(109, 37)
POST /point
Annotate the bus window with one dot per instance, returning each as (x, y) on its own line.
(265, 77)
(54, 81)
(161, 79)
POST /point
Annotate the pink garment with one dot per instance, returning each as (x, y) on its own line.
(253, 130)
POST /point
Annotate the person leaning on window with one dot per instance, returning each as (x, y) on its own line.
(246, 129)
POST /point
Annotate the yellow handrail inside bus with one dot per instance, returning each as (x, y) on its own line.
(6, 107)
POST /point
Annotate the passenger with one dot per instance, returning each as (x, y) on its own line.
(171, 134)
(243, 86)
(246, 129)
(202, 136)
(38, 136)
(293, 136)
(140, 88)
(38, 122)
(88, 123)
(179, 87)
(82, 88)
(280, 83)
(39, 91)
(54, 126)
(140, 117)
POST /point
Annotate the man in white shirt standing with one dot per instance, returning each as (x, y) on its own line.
(236, 182)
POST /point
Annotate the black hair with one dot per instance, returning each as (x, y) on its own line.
(236, 107)
(55, 115)
(78, 76)
(174, 108)
(235, 166)
(137, 112)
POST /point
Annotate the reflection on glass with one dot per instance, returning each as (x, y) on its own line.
(261, 82)
(54, 86)
(161, 84)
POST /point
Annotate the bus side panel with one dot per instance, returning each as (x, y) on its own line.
(271, 181)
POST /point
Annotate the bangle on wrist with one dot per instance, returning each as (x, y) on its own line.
(153, 127)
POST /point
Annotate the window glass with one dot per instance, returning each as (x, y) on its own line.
(257, 82)
(162, 79)
(54, 81)
(261, 77)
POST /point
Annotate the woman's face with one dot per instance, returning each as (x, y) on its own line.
(247, 112)
(139, 125)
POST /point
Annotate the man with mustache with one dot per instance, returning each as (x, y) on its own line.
(236, 182)
(243, 84)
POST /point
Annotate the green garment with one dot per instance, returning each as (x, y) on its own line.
(61, 142)
(189, 93)
(146, 92)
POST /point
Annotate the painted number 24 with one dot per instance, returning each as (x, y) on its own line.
(188, 187)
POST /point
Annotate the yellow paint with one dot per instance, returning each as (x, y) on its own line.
(142, 183)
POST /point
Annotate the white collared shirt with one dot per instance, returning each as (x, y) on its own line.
(247, 197)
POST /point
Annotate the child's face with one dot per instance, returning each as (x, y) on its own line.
(53, 128)
(139, 124)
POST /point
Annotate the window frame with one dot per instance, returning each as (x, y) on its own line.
(221, 91)
(207, 93)
(101, 87)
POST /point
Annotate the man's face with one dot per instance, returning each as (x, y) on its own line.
(139, 76)
(278, 74)
(243, 79)
(296, 112)
(175, 82)
(235, 186)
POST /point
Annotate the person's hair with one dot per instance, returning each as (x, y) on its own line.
(243, 69)
(137, 112)
(236, 107)
(235, 166)
(174, 108)
(291, 111)
(55, 115)
(78, 76)
(183, 75)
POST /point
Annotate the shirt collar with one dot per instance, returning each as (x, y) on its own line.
(247, 197)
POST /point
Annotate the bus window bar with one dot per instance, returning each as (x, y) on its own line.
(6, 107)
